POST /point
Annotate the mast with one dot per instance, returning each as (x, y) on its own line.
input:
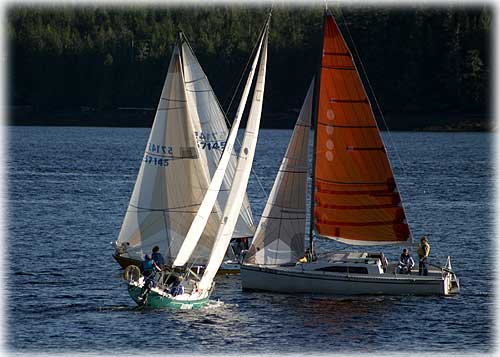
(314, 117)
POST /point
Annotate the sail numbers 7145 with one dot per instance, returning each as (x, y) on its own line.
(209, 141)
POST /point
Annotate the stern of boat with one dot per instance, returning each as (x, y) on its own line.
(451, 281)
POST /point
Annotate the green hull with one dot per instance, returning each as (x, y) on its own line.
(158, 301)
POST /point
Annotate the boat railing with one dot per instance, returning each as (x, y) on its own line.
(444, 270)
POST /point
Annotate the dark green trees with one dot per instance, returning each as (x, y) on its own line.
(419, 60)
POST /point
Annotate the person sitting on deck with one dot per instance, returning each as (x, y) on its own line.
(122, 248)
(148, 270)
(177, 288)
(406, 262)
(157, 257)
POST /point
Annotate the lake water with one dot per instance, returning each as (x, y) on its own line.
(68, 189)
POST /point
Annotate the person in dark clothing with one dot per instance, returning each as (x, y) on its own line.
(157, 257)
(406, 262)
(148, 270)
(177, 288)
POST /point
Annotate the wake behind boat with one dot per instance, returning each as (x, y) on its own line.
(355, 199)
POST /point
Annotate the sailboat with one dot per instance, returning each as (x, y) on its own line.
(197, 287)
(184, 148)
(354, 199)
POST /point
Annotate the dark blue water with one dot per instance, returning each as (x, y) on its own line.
(68, 191)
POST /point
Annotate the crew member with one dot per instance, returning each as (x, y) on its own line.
(406, 262)
(423, 252)
(308, 256)
(157, 257)
(148, 270)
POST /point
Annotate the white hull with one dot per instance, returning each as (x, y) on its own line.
(302, 278)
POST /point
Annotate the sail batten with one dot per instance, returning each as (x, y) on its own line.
(355, 195)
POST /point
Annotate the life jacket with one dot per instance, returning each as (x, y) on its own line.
(147, 267)
(423, 248)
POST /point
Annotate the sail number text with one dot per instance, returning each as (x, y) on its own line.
(209, 141)
(148, 159)
(161, 149)
(158, 155)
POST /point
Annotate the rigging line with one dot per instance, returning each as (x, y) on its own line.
(372, 91)
(259, 182)
(266, 26)
(379, 109)
(248, 62)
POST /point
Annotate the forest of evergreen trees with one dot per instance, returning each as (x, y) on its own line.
(427, 63)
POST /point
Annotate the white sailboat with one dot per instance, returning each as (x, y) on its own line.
(184, 148)
(195, 289)
(354, 198)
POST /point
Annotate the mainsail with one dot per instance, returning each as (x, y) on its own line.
(279, 238)
(211, 133)
(355, 195)
(240, 181)
(199, 222)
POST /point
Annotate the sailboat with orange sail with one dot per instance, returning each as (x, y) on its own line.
(354, 200)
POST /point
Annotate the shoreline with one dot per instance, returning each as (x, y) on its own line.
(143, 118)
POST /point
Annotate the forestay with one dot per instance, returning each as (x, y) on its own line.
(243, 168)
(279, 238)
(172, 179)
(209, 200)
(356, 199)
(211, 133)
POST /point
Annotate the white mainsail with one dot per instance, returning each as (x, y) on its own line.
(211, 134)
(279, 238)
(200, 221)
(172, 179)
(240, 181)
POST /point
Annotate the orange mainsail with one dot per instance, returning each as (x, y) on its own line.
(355, 195)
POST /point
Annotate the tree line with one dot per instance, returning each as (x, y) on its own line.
(420, 60)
